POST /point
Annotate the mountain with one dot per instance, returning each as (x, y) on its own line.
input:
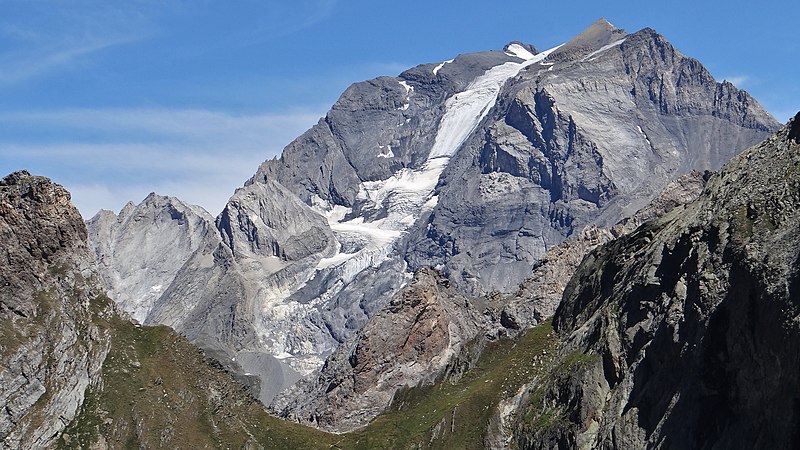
(683, 333)
(430, 332)
(474, 167)
(139, 267)
(50, 350)
(77, 373)
(676, 331)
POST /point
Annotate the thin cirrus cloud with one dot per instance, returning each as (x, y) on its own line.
(112, 156)
(44, 36)
(18, 67)
(40, 37)
(176, 124)
(738, 80)
(286, 19)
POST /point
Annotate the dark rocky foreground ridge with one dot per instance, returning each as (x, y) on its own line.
(50, 349)
(684, 333)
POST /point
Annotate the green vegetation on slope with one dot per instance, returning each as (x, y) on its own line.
(458, 415)
(158, 390)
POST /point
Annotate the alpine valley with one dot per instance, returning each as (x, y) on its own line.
(589, 246)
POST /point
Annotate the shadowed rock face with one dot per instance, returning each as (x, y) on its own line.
(475, 166)
(50, 351)
(690, 323)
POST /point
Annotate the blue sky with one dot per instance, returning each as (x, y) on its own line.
(117, 99)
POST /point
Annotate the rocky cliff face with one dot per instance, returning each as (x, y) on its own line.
(50, 351)
(587, 135)
(409, 342)
(75, 373)
(475, 166)
(683, 332)
(140, 251)
(431, 331)
(538, 296)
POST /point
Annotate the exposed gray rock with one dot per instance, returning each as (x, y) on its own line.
(346, 395)
(376, 128)
(266, 220)
(409, 342)
(539, 295)
(588, 135)
(140, 251)
(50, 351)
(687, 328)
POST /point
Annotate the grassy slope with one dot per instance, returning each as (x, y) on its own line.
(159, 390)
(464, 409)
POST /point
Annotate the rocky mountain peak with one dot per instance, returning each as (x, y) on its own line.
(160, 233)
(514, 46)
(598, 35)
(15, 177)
(33, 202)
(475, 166)
(266, 219)
(49, 350)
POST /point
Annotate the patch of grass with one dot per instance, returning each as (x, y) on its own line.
(44, 305)
(462, 410)
(11, 337)
(548, 418)
(159, 390)
(575, 360)
(742, 225)
(99, 305)
(541, 415)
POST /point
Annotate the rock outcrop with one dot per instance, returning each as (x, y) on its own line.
(409, 342)
(50, 351)
(588, 135)
(537, 297)
(683, 332)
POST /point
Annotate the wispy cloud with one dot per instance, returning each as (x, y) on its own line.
(16, 68)
(39, 37)
(738, 80)
(182, 125)
(322, 9)
(277, 20)
(116, 155)
(43, 36)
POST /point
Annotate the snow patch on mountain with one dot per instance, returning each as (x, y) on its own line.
(409, 88)
(402, 198)
(519, 51)
(465, 110)
(439, 67)
(591, 56)
(388, 153)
